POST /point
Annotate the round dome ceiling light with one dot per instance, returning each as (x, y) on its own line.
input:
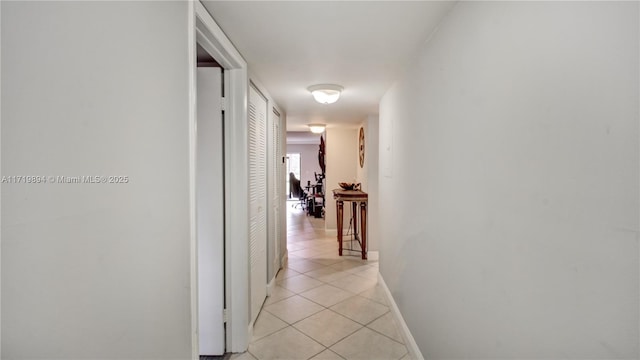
(326, 93)
(317, 128)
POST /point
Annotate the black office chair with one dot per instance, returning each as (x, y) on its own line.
(295, 191)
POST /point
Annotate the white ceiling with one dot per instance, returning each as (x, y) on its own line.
(361, 45)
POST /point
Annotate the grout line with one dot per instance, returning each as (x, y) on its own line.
(364, 297)
(396, 341)
(394, 325)
(327, 307)
(338, 355)
(349, 334)
(310, 245)
(306, 317)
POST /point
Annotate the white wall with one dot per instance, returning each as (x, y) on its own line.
(341, 162)
(368, 177)
(308, 161)
(95, 270)
(509, 170)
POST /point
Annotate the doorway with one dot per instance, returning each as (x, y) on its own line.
(303, 160)
(210, 205)
(205, 32)
(293, 166)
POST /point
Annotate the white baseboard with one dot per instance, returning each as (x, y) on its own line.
(249, 334)
(373, 255)
(271, 285)
(409, 341)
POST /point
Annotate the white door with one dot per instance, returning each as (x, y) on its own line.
(257, 199)
(275, 179)
(210, 211)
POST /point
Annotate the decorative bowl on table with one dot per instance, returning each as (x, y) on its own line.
(347, 186)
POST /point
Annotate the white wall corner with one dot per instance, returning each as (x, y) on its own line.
(285, 258)
(373, 255)
(271, 284)
(410, 342)
(250, 332)
(276, 265)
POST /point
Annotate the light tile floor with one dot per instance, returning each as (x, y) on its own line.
(324, 306)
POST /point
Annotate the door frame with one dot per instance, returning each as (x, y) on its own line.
(203, 30)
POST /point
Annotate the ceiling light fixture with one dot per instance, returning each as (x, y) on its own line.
(326, 93)
(317, 128)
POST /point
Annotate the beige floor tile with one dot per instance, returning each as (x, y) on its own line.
(327, 260)
(360, 309)
(317, 277)
(386, 325)
(330, 246)
(376, 294)
(242, 356)
(293, 309)
(355, 284)
(330, 251)
(351, 265)
(327, 274)
(305, 253)
(278, 293)
(326, 295)
(286, 273)
(369, 345)
(288, 344)
(326, 242)
(299, 283)
(303, 265)
(267, 324)
(327, 327)
(326, 245)
(299, 254)
(307, 235)
(295, 246)
(327, 355)
(370, 272)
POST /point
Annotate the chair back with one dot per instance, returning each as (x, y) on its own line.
(295, 190)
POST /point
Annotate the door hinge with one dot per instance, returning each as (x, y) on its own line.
(223, 103)
(224, 315)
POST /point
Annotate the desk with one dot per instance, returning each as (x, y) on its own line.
(314, 207)
(355, 197)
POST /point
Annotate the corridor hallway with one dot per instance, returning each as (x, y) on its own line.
(324, 306)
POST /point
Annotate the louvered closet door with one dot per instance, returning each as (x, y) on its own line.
(274, 188)
(281, 229)
(257, 199)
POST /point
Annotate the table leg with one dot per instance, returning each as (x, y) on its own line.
(363, 230)
(354, 213)
(340, 206)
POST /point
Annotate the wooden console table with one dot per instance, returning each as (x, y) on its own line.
(355, 197)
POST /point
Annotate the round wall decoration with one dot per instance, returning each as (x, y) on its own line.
(361, 146)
